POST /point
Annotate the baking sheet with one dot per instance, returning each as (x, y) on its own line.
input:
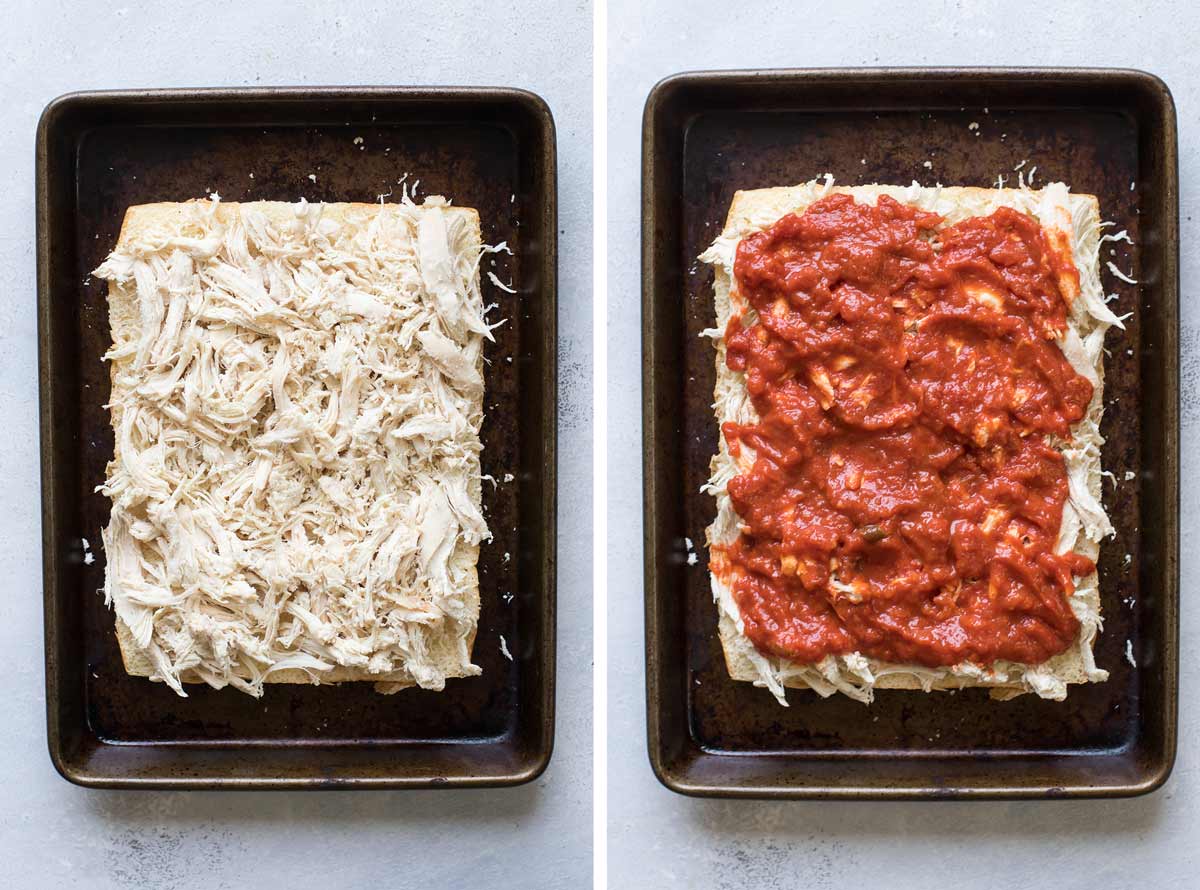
(1110, 133)
(492, 149)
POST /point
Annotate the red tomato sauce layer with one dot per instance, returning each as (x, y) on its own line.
(905, 497)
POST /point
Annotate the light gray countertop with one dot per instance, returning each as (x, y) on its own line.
(658, 839)
(53, 834)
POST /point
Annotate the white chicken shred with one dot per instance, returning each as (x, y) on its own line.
(296, 403)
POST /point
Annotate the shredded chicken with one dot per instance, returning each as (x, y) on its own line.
(296, 482)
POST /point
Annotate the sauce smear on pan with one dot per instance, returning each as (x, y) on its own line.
(905, 497)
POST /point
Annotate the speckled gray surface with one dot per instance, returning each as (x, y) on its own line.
(658, 839)
(53, 834)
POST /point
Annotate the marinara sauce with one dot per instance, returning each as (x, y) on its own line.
(906, 495)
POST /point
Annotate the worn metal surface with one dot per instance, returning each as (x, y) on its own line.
(492, 149)
(707, 135)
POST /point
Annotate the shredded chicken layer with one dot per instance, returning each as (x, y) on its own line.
(296, 401)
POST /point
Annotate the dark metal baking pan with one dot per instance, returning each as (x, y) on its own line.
(492, 149)
(1110, 133)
